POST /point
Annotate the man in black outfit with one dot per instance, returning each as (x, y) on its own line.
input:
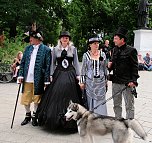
(124, 64)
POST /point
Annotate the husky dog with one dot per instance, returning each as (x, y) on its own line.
(90, 124)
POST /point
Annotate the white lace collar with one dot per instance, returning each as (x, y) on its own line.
(66, 48)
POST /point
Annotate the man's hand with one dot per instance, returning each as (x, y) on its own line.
(51, 78)
(20, 80)
(45, 86)
(131, 84)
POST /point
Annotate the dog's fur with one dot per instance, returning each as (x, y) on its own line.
(90, 124)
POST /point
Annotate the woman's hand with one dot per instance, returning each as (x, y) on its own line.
(78, 78)
(82, 86)
(109, 65)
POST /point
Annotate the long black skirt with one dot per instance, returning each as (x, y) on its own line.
(55, 101)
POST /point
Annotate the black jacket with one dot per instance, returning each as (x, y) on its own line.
(124, 65)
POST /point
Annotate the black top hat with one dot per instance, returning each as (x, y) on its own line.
(122, 32)
(93, 39)
(65, 33)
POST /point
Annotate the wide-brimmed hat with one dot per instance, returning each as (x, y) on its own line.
(122, 32)
(36, 34)
(66, 34)
(92, 40)
(26, 37)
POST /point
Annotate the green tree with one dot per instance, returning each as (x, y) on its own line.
(81, 18)
(18, 13)
(96, 16)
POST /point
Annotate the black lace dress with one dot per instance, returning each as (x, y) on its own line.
(55, 101)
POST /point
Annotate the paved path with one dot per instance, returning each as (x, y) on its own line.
(30, 134)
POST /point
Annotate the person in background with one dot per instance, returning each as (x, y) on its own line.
(141, 63)
(107, 50)
(124, 64)
(34, 74)
(148, 62)
(64, 87)
(50, 46)
(16, 64)
(93, 76)
(150, 67)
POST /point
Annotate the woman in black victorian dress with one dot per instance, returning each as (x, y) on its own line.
(63, 88)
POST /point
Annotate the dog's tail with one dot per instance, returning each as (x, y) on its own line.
(136, 127)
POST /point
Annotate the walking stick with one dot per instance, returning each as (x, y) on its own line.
(15, 105)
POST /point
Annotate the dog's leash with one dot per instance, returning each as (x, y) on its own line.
(102, 103)
(86, 102)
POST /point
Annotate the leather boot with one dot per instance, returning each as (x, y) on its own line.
(34, 119)
(27, 119)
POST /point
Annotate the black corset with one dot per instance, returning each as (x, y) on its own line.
(60, 59)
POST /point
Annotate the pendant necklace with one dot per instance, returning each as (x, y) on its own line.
(94, 54)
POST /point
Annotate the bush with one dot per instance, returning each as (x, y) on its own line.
(10, 48)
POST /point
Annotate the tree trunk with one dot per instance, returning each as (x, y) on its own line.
(13, 31)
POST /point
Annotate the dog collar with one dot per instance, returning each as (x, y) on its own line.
(79, 116)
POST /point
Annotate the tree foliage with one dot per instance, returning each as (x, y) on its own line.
(81, 17)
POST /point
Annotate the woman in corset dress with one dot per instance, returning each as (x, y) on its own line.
(93, 76)
(63, 88)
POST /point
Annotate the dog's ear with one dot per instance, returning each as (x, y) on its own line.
(76, 107)
(70, 102)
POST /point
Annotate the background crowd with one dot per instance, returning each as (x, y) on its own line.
(145, 63)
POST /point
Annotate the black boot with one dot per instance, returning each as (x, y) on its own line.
(27, 119)
(34, 120)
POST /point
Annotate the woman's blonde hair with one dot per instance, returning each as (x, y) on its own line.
(59, 44)
(19, 52)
